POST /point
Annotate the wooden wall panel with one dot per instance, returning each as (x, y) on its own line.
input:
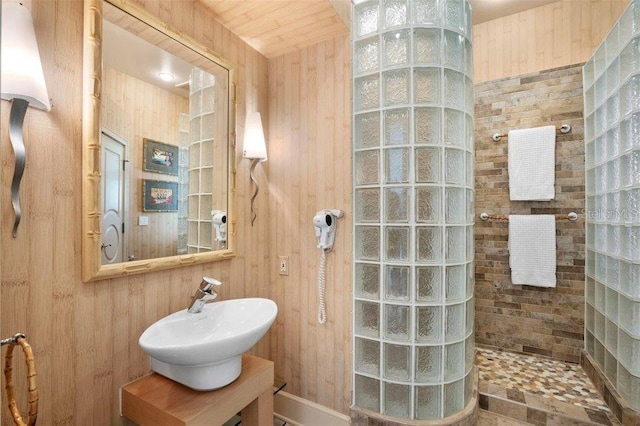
(134, 110)
(85, 335)
(562, 33)
(310, 170)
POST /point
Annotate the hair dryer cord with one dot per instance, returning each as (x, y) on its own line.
(322, 314)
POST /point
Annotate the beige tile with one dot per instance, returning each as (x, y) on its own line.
(536, 417)
(507, 408)
(486, 418)
(540, 402)
(496, 390)
(558, 420)
(571, 410)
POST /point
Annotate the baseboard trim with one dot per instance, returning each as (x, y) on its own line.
(298, 411)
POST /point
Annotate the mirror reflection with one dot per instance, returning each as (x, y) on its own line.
(164, 134)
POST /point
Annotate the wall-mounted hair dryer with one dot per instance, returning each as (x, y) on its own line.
(220, 223)
(325, 222)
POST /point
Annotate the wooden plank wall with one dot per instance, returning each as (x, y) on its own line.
(310, 170)
(134, 110)
(562, 33)
(85, 335)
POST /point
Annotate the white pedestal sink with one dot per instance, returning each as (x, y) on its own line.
(204, 351)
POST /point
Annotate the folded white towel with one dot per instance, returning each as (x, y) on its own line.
(532, 250)
(532, 163)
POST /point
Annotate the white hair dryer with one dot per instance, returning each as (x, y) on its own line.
(220, 223)
(325, 222)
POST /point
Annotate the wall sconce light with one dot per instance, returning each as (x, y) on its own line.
(254, 147)
(22, 82)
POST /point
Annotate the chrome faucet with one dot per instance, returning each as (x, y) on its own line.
(206, 293)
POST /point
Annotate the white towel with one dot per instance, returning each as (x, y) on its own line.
(532, 250)
(532, 163)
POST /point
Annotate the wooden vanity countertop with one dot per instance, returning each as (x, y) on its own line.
(156, 400)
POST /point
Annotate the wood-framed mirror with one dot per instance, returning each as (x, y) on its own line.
(158, 158)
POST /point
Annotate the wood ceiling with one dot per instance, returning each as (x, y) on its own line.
(275, 27)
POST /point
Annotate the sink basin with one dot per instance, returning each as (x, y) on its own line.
(204, 351)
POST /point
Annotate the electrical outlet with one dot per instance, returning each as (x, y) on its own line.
(283, 265)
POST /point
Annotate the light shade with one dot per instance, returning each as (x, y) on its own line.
(22, 75)
(254, 145)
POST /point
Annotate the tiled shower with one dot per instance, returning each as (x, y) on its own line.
(612, 138)
(413, 199)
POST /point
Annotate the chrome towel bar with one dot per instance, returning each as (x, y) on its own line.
(564, 129)
(573, 216)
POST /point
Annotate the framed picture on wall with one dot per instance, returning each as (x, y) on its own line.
(159, 196)
(160, 157)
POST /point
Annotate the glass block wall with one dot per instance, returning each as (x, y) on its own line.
(200, 235)
(413, 207)
(612, 146)
(183, 181)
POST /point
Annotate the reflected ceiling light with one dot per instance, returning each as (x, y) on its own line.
(254, 148)
(165, 76)
(22, 83)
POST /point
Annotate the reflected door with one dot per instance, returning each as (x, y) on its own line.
(113, 190)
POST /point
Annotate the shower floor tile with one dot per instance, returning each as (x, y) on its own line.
(545, 386)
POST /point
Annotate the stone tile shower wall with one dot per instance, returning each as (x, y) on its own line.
(525, 319)
(413, 199)
(612, 144)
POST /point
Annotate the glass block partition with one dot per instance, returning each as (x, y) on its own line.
(413, 207)
(612, 147)
(183, 180)
(200, 235)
